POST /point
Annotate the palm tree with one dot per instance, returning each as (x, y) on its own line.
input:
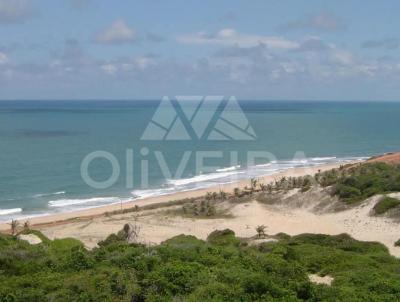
(14, 226)
(283, 182)
(317, 176)
(203, 206)
(210, 210)
(222, 195)
(261, 230)
(253, 183)
(27, 225)
(236, 192)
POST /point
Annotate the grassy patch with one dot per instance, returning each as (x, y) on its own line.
(201, 209)
(385, 204)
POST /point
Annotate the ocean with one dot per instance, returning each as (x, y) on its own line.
(43, 144)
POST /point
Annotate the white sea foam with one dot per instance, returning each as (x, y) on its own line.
(229, 174)
(72, 202)
(264, 165)
(298, 161)
(323, 158)
(201, 178)
(358, 158)
(141, 194)
(50, 194)
(220, 176)
(10, 211)
(233, 168)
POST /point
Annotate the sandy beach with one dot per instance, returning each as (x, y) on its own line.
(157, 224)
(67, 217)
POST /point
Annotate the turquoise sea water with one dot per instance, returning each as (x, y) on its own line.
(42, 145)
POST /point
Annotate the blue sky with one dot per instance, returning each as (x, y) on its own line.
(87, 49)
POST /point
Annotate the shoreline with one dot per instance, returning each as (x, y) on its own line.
(67, 217)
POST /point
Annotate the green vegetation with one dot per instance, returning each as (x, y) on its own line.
(223, 268)
(304, 183)
(352, 183)
(356, 183)
(203, 208)
(385, 204)
(261, 231)
(184, 268)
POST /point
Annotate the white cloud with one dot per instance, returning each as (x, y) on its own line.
(313, 59)
(126, 65)
(144, 62)
(118, 33)
(3, 58)
(342, 57)
(14, 11)
(230, 37)
(109, 68)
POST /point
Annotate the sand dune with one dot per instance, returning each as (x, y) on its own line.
(99, 211)
(297, 213)
(158, 225)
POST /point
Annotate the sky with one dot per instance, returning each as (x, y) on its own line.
(274, 50)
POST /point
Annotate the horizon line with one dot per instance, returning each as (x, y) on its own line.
(159, 99)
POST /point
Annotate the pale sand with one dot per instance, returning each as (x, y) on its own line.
(327, 280)
(31, 238)
(94, 212)
(158, 224)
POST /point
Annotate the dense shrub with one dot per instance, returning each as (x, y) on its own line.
(385, 204)
(185, 268)
(223, 237)
(356, 183)
(346, 192)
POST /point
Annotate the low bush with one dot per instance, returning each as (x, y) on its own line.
(358, 182)
(224, 237)
(347, 193)
(385, 204)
